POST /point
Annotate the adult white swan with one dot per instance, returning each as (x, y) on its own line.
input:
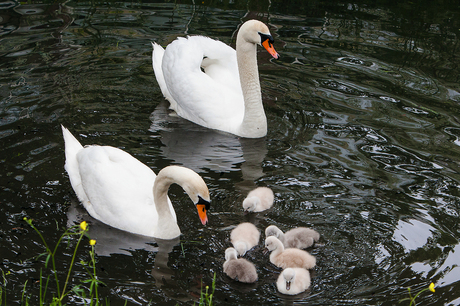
(119, 190)
(211, 84)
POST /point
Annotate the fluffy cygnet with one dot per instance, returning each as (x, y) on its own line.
(259, 199)
(293, 281)
(239, 269)
(244, 237)
(288, 258)
(300, 237)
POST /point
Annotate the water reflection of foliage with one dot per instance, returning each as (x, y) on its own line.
(427, 34)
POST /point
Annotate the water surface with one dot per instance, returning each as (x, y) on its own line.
(363, 146)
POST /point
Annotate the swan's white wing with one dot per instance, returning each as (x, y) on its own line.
(213, 97)
(157, 59)
(119, 188)
(72, 147)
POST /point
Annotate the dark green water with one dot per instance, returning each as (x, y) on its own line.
(363, 146)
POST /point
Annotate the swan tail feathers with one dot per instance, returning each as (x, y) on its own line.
(72, 147)
(157, 61)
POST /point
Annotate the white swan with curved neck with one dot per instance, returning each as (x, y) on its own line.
(211, 84)
(119, 190)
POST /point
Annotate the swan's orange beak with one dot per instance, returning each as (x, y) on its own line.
(202, 213)
(269, 47)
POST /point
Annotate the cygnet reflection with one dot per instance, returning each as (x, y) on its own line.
(200, 148)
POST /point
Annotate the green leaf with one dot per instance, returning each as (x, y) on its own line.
(47, 260)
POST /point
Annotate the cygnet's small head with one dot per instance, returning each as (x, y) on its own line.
(230, 253)
(250, 204)
(271, 243)
(241, 247)
(288, 275)
(272, 230)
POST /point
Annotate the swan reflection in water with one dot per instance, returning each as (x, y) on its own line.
(200, 148)
(114, 241)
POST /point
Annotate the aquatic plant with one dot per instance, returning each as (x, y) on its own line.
(61, 291)
(412, 299)
(205, 297)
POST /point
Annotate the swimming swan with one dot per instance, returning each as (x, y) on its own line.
(211, 84)
(258, 200)
(293, 281)
(119, 190)
(299, 237)
(239, 269)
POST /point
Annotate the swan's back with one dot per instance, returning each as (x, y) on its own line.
(114, 187)
(205, 97)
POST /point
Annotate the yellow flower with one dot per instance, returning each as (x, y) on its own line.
(431, 287)
(92, 242)
(83, 225)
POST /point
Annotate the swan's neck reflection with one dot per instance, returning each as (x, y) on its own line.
(114, 241)
(160, 271)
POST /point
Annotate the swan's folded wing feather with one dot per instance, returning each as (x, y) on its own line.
(157, 59)
(119, 187)
(212, 97)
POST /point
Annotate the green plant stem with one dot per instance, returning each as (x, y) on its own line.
(71, 265)
(413, 299)
(40, 296)
(94, 269)
(48, 250)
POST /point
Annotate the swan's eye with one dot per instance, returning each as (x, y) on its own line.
(202, 201)
(268, 38)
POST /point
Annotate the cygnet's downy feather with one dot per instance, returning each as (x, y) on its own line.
(300, 237)
(258, 200)
(244, 237)
(288, 258)
(239, 269)
(293, 281)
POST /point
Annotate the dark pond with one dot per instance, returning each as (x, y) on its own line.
(363, 146)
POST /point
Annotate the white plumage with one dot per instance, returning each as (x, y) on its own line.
(211, 84)
(119, 190)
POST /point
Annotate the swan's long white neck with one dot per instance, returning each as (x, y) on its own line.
(254, 115)
(166, 227)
